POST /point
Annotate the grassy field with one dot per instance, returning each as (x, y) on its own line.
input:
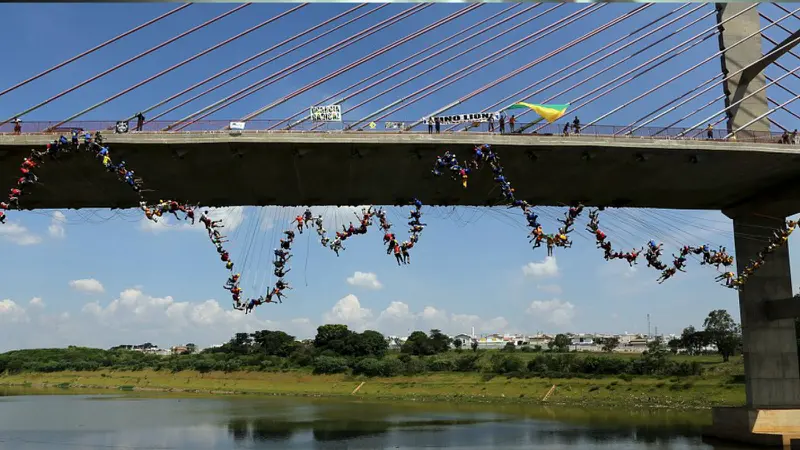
(721, 385)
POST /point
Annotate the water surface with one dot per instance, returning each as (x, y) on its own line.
(136, 421)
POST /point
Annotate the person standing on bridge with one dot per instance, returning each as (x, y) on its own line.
(491, 124)
(710, 132)
(139, 121)
(576, 125)
(511, 122)
(794, 137)
(17, 125)
(430, 125)
(502, 124)
(437, 124)
(565, 131)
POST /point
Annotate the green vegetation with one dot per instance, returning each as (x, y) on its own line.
(428, 365)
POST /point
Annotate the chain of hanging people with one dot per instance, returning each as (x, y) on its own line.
(447, 165)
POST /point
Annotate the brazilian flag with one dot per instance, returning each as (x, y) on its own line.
(550, 113)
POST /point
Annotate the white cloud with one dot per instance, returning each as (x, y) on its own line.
(36, 302)
(87, 285)
(554, 311)
(367, 280)
(56, 228)
(18, 234)
(545, 269)
(348, 311)
(12, 312)
(550, 288)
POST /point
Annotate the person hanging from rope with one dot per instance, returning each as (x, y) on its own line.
(229, 265)
(560, 239)
(289, 235)
(280, 273)
(336, 245)
(551, 242)
(277, 292)
(224, 256)
(416, 228)
(233, 280)
(282, 285)
(307, 217)
(13, 197)
(679, 262)
(631, 256)
(405, 247)
(666, 274)
(388, 237)
(300, 222)
(600, 237)
(283, 255)
(728, 277)
(608, 253)
(2, 217)
(397, 253)
(251, 304)
(286, 245)
(532, 218)
(279, 263)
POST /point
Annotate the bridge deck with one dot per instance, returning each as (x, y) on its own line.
(220, 169)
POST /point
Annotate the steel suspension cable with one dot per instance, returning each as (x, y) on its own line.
(613, 65)
(663, 113)
(670, 80)
(601, 49)
(769, 99)
(729, 135)
(697, 40)
(94, 49)
(493, 57)
(724, 110)
(441, 63)
(412, 36)
(182, 63)
(237, 65)
(791, 92)
(545, 57)
(728, 107)
(300, 64)
(124, 63)
(274, 58)
(381, 72)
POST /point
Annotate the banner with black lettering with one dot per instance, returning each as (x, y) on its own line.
(326, 113)
(463, 118)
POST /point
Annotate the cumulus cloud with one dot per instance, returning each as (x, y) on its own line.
(11, 312)
(367, 280)
(56, 228)
(398, 319)
(17, 234)
(348, 311)
(87, 285)
(545, 269)
(553, 311)
(36, 302)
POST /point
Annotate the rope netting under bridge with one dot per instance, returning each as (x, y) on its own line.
(288, 223)
(633, 65)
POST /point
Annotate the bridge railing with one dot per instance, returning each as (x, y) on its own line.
(279, 126)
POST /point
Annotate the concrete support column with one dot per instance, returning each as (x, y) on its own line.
(770, 347)
(737, 58)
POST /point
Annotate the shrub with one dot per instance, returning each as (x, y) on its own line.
(330, 365)
(506, 364)
(415, 366)
(441, 365)
(390, 367)
(466, 363)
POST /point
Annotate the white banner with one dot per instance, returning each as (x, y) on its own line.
(327, 113)
(236, 126)
(462, 118)
(395, 125)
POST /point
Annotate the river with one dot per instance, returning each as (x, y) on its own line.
(53, 420)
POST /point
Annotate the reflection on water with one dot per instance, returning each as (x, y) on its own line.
(41, 422)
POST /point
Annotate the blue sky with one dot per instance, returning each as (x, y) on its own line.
(101, 277)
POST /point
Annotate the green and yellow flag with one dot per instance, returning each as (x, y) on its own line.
(550, 113)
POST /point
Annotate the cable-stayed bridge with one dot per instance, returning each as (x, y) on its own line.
(649, 82)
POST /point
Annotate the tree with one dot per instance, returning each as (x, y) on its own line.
(509, 347)
(275, 343)
(457, 344)
(609, 344)
(368, 343)
(722, 331)
(191, 348)
(332, 337)
(560, 343)
(474, 346)
(674, 345)
(439, 341)
(418, 344)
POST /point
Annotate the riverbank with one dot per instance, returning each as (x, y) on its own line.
(678, 393)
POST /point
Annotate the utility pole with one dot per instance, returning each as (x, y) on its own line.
(648, 326)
